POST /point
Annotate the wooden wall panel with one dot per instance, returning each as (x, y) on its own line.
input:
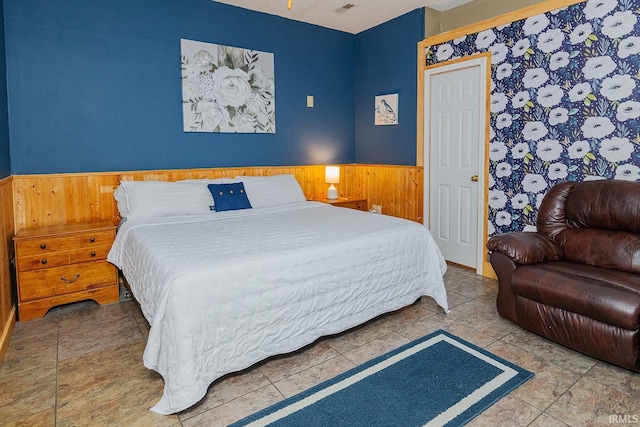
(63, 198)
(398, 189)
(7, 305)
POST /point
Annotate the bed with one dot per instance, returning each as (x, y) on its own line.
(225, 289)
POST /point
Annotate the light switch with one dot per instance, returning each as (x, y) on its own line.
(310, 101)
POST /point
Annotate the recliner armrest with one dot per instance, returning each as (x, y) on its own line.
(526, 247)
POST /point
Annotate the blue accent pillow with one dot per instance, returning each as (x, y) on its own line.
(229, 197)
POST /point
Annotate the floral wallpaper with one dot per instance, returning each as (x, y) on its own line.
(565, 103)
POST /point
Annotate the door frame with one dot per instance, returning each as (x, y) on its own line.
(483, 61)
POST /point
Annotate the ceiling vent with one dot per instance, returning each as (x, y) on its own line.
(344, 8)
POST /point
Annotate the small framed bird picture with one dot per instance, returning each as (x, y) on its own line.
(386, 109)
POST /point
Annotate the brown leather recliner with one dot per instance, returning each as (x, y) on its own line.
(576, 280)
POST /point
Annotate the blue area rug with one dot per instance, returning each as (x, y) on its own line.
(438, 380)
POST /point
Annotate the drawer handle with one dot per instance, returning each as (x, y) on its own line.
(43, 246)
(65, 280)
(92, 240)
(93, 254)
(44, 261)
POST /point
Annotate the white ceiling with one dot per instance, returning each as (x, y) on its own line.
(363, 15)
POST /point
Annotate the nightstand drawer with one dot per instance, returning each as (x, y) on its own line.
(45, 260)
(89, 254)
(42, 245)
(95, 238)
(56, 259)
(46, 245)
(54, 281)
(356, 204)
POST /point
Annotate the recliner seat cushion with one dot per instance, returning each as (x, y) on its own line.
(609, 296)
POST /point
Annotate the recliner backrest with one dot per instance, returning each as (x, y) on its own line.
(595, 222)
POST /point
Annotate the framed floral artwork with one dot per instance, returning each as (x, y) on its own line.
(386, 112)
(227, 89)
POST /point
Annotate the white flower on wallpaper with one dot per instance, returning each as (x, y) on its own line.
(615, 149)
(227, 89)
(503, 218)
(628, 172)
(533, 131)
(498, 53)
(617, 87)
(535, 24)
(597, 127)
(550, 40)
(578, 149)
(549, 150)
(580, 33)
(498, 102)
(503, 169)
(484, 39)
(520, 150)
(598, 9)
(497, 150)
(558, 115)
(559, 60)
(520, 99)
(497, 199)
(519, 201)
(444, 52)
(598, 67)
(579, 92)
(629, 46)
(533, 183)
(459, 40)
(521, 47)
(535, 77)
(620, 24)
(504, 71)
(550, 95)
(628, 110)
(503, 120)
(564, 103)
(557, 171)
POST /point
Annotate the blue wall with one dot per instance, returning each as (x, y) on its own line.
(5, 164)
(387, 63)
(95, 86)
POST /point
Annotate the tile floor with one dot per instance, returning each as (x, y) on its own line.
(81, 365)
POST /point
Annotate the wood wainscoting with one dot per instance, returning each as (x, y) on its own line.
(7, 294)
(76, 197)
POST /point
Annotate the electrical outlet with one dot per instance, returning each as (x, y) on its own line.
(377, 209)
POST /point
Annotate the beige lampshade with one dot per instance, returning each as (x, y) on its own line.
(332, 174)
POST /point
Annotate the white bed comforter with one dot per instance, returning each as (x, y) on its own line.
(226, 290)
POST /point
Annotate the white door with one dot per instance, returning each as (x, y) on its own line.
(454, 136)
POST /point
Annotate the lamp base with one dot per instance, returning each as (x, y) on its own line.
(332, 192)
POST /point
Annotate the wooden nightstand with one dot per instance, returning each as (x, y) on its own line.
(64, 263)
(360, 204)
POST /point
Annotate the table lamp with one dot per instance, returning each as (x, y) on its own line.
(332, 176)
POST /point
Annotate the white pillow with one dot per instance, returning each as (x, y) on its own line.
(121, 201)
(265, 191)
(161, 198)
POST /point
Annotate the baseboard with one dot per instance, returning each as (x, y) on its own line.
(6, 334)
(487, 270)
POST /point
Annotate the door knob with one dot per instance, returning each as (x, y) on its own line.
(474, 178)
